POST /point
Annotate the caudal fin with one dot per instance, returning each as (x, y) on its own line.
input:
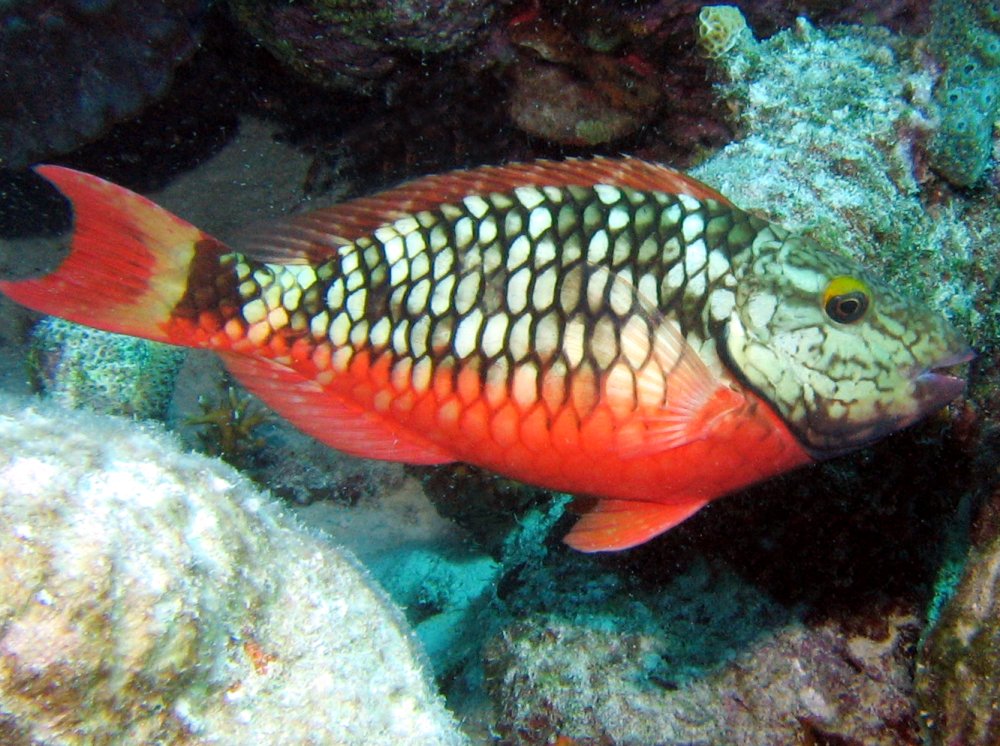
(128, 264)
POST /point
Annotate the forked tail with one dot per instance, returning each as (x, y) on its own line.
(128, 264)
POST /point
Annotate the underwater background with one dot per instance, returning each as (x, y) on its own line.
(179, 565)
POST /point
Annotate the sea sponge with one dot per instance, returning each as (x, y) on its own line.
(153, 596)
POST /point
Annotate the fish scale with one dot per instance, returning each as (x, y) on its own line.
(610, 328)
(515, 285)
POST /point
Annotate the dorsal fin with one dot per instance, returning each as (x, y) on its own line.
(315, 236)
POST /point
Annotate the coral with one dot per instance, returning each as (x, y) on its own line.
(355, 45)
(690, 667)
(110, 373)
(831, 125)
(73, 68)
(966, 39)
(958, 668)
(152, 596)
(719, 29)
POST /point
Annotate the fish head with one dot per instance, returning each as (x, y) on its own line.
(843, 358)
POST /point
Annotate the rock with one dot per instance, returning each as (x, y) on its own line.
(958, 667)
(716, 663)
(153, 596)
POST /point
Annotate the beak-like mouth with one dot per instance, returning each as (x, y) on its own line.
(937, 384)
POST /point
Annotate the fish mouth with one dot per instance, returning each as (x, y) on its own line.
(938, 384)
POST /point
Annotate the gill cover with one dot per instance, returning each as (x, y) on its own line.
(843, 358)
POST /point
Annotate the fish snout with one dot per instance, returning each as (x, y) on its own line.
(938, 384)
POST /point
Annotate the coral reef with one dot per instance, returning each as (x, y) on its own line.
(73, 68)
(356, 45)
(965, 37)
(83, 367)
(958, 669)
(711, 661)
(832, 122)
(141, 602)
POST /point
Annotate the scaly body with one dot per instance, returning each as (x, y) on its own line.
(608, 328)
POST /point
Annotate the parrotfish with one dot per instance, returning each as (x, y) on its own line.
(610, 328)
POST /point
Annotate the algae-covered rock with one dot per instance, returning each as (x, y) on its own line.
(832, 124)
(958, 670)
(104, 372)
(152, 596)
(965, 37)
(718, 664)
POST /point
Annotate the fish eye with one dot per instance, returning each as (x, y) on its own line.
(846, 299)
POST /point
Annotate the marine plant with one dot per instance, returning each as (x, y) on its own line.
(229, 425)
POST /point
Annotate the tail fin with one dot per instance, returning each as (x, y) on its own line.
(128, 264)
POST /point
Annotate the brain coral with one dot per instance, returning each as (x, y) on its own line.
(71, 68)
(152, 596)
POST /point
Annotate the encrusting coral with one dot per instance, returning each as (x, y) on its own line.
(83, 367)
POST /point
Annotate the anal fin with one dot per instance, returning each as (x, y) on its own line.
(613, 525)
(331, 419)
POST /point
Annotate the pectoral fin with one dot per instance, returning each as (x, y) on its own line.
(612, 525)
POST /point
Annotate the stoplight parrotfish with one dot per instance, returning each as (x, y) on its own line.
(610, 328)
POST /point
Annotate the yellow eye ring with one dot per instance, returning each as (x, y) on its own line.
(846, 299)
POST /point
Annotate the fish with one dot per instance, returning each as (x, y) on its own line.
(610, 328)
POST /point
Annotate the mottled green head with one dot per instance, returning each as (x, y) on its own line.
(843, 358)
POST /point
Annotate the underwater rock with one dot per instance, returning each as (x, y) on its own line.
(564, 92)
(107, 373)
(72, 69)
(715, 663)
(833, 124)
(958, 666)
(354, 45)
(965, 38)
(443, 584)
(152, 596)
